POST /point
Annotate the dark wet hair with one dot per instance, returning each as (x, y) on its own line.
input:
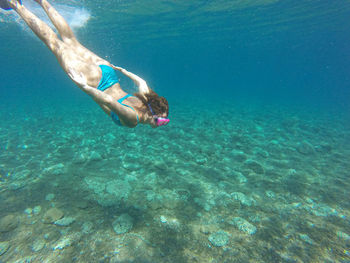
(158, 104)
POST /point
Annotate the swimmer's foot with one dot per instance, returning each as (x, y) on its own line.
(9, 4)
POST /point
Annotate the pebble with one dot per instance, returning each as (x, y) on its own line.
(65, 221)
(8, 223)
(82, 204)
(49, 197)
(123, 224)
(254, 166)
(306, 239)
(243, 225)
(163, 219)
(305, 148)
(28, 211)
(52, 215)
(62, 243)
(4, 246)
(37, 210)
(95, 156)
(87, 227)
(38, 245)
(219, 239)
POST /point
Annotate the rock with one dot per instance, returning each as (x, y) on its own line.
(95, 156)
(201, 160)
(56, 169)
(87, 227)
(323, 148)
(65, 221)
(28, 211)
(36, 210)
(207, 229)
(49, 197)
(82, 204)
(305, 148)
(219, 239)
(38, 245)
(254, 166)
(243, 199)
(52, 236)
(52, 215)
(123, 224)
(239, 156)
(131, 162)
(239, 177)
(243, 225)
(4, 246)
(163, 219)
(67, 241)
(119, 188)
(306, 239)
(8, 223)
(62, 243)
(343, 235)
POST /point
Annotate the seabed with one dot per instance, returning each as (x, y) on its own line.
(246, 184)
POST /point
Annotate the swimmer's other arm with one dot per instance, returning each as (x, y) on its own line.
(97, 95)
(140, 83)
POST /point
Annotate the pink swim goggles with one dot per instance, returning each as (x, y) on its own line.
(160, 121)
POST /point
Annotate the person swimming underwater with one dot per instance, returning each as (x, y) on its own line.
(92, 74)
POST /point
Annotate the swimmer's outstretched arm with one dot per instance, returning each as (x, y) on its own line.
(141, 83)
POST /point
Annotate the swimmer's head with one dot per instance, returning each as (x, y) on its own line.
(155, 106)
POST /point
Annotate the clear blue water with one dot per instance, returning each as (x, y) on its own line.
(259, 104)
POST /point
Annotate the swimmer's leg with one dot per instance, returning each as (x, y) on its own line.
(41, 29)
(68, 36)
(58, 21)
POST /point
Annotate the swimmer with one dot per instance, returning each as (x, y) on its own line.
(92, 74)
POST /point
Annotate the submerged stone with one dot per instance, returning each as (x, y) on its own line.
(131, 162)
(62, 243)
(87, 227)
(28, 211)
(82, 204)
(8, 223)
(306, 238)
(119, 188)
(36, 210)
(305, 148)
(38, 245)
(239, 156)
(65, 221)
(123, 224)
(4, 246)
(219, 239)
(243, 199)
(56, 169)
(254, 166)
(49, 197)
(343, 235)
(243, 225)
(52, 215)
(201, 160)
(95, 156)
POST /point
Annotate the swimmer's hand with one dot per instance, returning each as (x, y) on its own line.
(140, 83)
(78, 78)
(97, 95)
(117, 68)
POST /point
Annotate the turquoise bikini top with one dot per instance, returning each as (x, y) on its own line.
(108, 79)
(115, 117)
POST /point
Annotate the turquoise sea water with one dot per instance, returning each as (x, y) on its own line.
(253, 167)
